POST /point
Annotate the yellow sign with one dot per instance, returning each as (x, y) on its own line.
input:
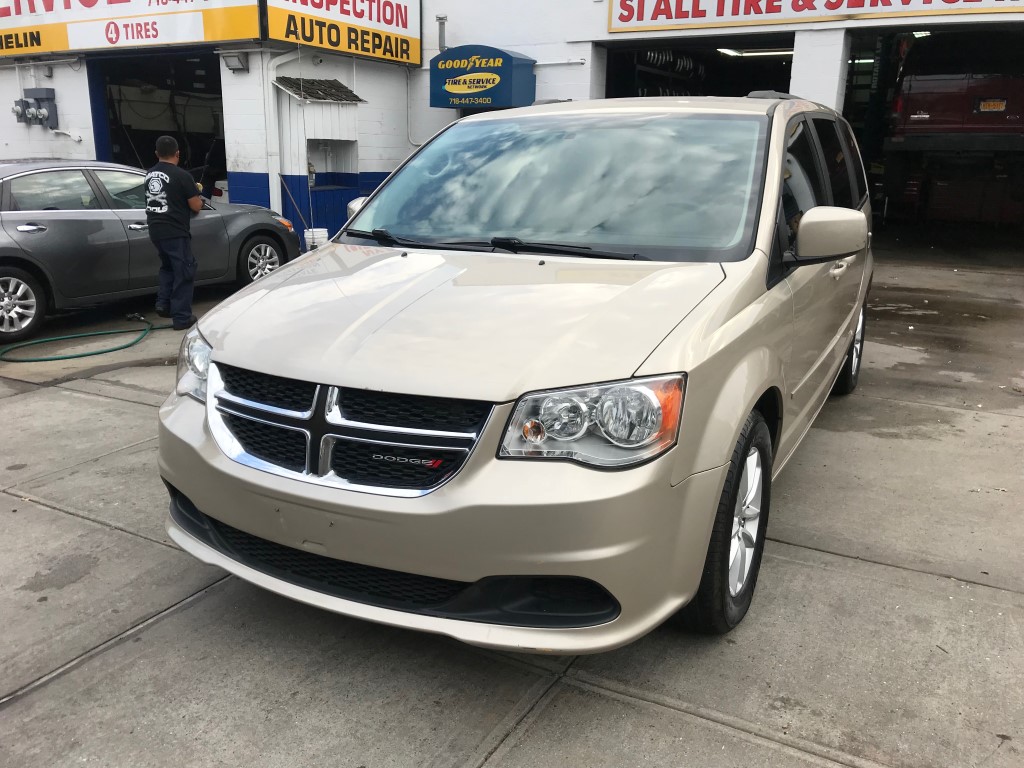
(58, 26)
(474, 83)
(377, 29)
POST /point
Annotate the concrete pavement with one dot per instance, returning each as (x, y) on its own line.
(886, 630)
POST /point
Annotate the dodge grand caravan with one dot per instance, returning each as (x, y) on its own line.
(534, 394)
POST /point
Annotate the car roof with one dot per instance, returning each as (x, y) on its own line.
(12, 167)
(744, 105)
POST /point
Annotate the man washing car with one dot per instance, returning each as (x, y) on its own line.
(172, 198)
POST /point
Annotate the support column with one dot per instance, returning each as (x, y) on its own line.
(820, 60)
(245, 134)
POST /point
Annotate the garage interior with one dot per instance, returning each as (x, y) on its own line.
(939, 115)
(940, 118)
(140, 97)
(714, 66)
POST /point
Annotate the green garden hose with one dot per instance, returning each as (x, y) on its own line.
(143, 333)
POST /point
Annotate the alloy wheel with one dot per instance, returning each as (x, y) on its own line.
(262, 260)
(746, 521)
(17, 305)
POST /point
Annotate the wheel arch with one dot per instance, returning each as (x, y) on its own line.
(769, 405)
(250, 234)
(37, 272)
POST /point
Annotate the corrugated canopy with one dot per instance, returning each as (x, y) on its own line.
(318, 90)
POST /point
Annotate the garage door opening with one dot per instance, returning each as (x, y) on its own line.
(940, 118)
(731, 65)
(138, 98)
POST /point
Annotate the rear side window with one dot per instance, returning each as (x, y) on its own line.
(53, 191)
(801, 182)
(127, 190)
(836, 169)
(856, 164)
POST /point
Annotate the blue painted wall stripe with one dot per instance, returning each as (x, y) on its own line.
(249, 188)
(100, 120)
(329, 199)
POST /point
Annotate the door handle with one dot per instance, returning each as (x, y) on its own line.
(138, 227)
(838, 268)
(31, 228)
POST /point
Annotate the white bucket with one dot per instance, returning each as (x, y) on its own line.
(315, 238)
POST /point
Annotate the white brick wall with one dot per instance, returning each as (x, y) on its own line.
(245, 128)
(74, 114)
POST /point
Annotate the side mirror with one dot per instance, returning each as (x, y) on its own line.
(826, 234)
(355, 205)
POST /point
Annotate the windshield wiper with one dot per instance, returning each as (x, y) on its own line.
(516, 245)
(384, 237)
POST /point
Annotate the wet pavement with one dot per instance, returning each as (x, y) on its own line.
(886, 630)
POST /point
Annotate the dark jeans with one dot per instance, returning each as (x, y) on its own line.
(177, 276)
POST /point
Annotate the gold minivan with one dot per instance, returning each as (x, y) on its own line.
(534, 394)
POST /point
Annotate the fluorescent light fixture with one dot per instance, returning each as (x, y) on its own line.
(863, 61)
(733, 52)
(921, 34)
(236, 61)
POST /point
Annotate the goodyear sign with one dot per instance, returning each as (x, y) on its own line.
(388, 30)
(480, 77)
(29, 27)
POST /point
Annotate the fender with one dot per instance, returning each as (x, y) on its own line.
(733, 351)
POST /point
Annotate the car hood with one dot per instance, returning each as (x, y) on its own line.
(455, 324)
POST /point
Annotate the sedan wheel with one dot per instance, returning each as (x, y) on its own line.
(22, 305)
(263, 259)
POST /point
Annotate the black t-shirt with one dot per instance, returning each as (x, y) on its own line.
(168, 190)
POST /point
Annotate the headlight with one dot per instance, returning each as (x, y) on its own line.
(193, 365)
(606, 425)
(286, 223)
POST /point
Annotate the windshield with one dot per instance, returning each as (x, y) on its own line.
(663, 186)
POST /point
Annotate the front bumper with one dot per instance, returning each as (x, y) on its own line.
(631, 532)
(292, 246)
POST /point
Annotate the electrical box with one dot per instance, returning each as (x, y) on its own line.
(39, 107)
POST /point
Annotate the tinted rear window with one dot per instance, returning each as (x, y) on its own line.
(835, 163)
(859, 181)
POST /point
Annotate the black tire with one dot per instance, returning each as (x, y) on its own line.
(714, 610)
(269, 246)
(13, 307)
(849, 374)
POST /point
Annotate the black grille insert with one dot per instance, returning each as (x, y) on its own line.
(442, 414)
(275, 445)
(364, 583)
(275, 391)
(394, 466)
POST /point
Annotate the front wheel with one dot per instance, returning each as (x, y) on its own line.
(22, 305)
(737, 539)
(849, 374)
(259, 257)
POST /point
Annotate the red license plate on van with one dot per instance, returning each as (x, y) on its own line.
(992, 105)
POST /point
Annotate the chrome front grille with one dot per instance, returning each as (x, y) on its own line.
(374, 442)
